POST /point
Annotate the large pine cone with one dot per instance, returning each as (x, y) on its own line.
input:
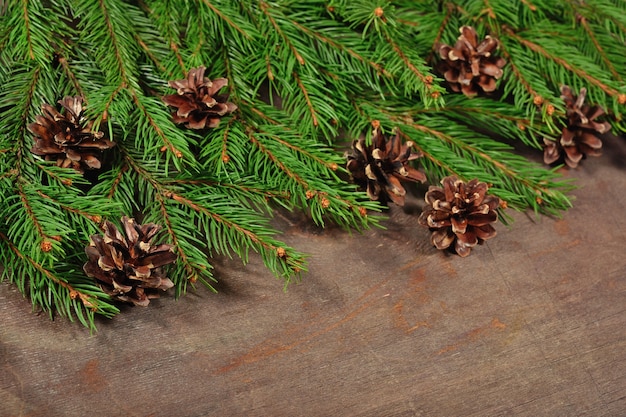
(129, 268)
(580, 137)
(469, 66)
(197, 102)
(67, 137)
(459, 214)
(380, 167)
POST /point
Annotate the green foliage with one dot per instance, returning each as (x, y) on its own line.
(302, 75)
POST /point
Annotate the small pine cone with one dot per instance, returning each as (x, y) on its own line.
(579, 137)
(67, 137)
(380, 167)
(469, 66)
(129, 268)
(460, 214)
(196, 100)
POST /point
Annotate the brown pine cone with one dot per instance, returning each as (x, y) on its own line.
(196, 100)
(67, 137)
(469, 66)
(579, 137)
(460, 214)
(380, 167)
(129, 268)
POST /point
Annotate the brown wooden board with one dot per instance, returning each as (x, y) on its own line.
(533, 323)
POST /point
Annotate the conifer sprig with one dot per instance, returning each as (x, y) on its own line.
(302, 75)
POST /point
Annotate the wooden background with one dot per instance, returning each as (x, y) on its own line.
(531, 324)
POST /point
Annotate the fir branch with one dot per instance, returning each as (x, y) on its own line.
(249, 188)
(307, 99)
(336, 44)
(166, 17)
(330, 68)
(598, 47)
(254, 139)
(70, 74)
(157, 121)
(226, 19)
(96, 218)
(194, 272)
(26, 21)
(41, 235)
(123, 168)
(493, 118)
(519, 77)
(535, 47)
(235, 233)
(265, 8)
(26, 269)
(412, 68)
(449, 8)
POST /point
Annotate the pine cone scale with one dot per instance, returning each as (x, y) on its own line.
(573, 155)
(414, 175)
(121, 288)
(482, 219)
(158, 258)
(93, 270)
(42, 128)
(443, 238)
(216, 85)
(591, 140)
(485, 232)
(459, 225)
(140, 272)
(467, 238)
(491, 69)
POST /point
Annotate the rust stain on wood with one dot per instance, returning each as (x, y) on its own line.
(271, 347)
(558, 248)
(91, 377)
(473, 335)
(263, 351)
(561, 227)
(416, 294)
(401, 322)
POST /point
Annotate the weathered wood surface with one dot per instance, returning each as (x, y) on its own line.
(531, 324)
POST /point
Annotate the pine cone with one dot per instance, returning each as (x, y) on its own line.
(459, 213)
(129, 268)
(68, 138)
(380, 167)
(196, 101)
(470, 67)
(579, 137)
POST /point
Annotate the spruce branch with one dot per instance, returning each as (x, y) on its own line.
(572, 67)
(304, 76)
(61, 291)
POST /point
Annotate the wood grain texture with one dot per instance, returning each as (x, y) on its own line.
(533, 323)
